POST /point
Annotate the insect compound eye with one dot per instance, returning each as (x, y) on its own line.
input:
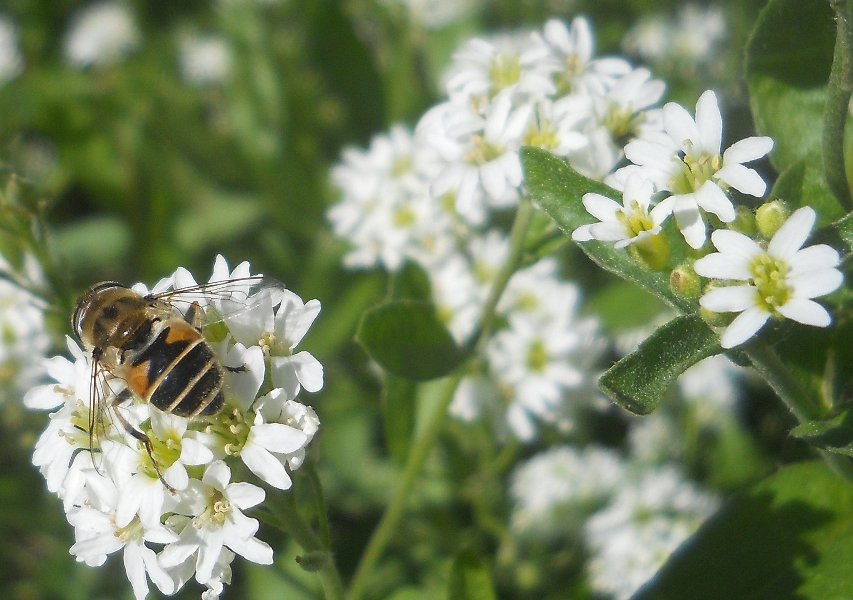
(85, 302)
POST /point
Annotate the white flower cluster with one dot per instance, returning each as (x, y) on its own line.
(684, 162)
(432, 197)
(112, 493)
(101, 34)
(204, 59)
(636, 515)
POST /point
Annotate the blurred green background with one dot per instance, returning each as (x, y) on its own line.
(130, 168)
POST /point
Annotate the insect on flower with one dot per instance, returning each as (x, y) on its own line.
(154, 343)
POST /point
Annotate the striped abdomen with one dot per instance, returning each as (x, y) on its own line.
(178, 372)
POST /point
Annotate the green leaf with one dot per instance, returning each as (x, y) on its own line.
(621, 306)
(470, 579)
(790, 536)
(398, 415)
(802, 184)
(558, 189)
(639, 381)
(408, 339)
(834, 435)
(787, 66)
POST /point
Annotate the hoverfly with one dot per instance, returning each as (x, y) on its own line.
(157, 349)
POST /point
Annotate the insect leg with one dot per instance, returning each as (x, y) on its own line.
(122, 397)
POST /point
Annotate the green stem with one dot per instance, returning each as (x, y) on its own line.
(779, 377)
(438, 415)
(838, 92)
(310, 542)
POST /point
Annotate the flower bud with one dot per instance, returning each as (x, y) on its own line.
(651, 252)
(770, 216)
(685, 282)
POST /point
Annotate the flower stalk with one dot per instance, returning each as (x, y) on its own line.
(438, 416)
(838, 92)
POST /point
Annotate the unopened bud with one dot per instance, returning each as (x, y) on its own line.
(770, 216)
(651, 251)
(685, 282)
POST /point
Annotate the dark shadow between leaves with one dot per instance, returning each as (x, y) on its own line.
(750, 549)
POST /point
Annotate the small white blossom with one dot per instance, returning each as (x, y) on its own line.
(686, 161)
(101, 34)
(204, 60)
(632, 222)
(11, 61)
(780, 281)
(546, 486)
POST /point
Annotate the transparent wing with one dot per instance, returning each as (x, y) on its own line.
(224, 301)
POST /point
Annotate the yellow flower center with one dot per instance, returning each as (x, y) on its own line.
(541, 136)
(504, 71)
(694, 171)
(537, 356)
(636, 221)
(482, 151)
(216, 512)
(768, 275)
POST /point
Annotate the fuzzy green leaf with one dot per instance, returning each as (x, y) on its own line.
(639, 381)
(790, 536)
(834, 435)
(407, 338)
(558, 189)
(803, 184)
(398, 415)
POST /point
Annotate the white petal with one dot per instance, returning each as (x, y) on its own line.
(734, 298)
(608, 232)
(245, 495)
(581, 234)
(816, 283)
(600, 207)
(308, 370)
(807, 312)
(735, 243)
(135, 568)
(743, 179)
(277, 437)
(747, 149)
(743, 327)
(266, 466)
(679, 125)
(193, 452)
(791, 236)
(252, 549)
(813, 258)
(709, 123)
(713, 200)
(217, 474)
(43, 397)
(722, 266)
(690, 223)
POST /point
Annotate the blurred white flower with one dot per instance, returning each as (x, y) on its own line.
(101, 34)
(435, 14)
(11, 61)
(545, 487)
(204, 59)
(643, 524)
(779, 281)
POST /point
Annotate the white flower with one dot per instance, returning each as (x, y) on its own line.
(686, 161)
(485, 68)
(204, 60)
(435, 14)
(218, 522)
(11, 61)
(101, 34)
(568, 54)
(632, 222)
(544, 486)
(780, 281)
(482, 166)
(269, 441)
(644, 523)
